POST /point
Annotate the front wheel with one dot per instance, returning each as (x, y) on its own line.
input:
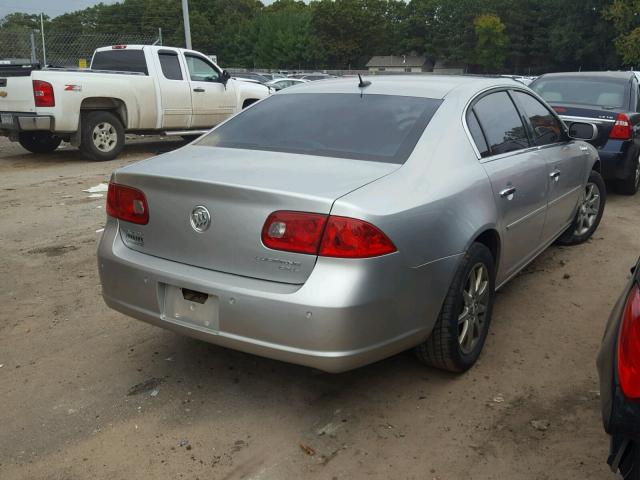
(630, 464)
(589, 212)
(39, 142)
(102, 136)
(463, 324)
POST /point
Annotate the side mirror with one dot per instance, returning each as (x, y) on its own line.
(225, 76)
(583, 131)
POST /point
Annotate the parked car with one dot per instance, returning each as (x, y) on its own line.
(610, 100)
(315, 76)
(280, 83)
(273, 76)
(258, 77)
(371, 217)
(129, 88)
(619, 370)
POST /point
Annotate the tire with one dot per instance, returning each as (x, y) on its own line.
(101, 136)
(589, 212)
(39, 142)
(447, 348)
(630, 464)
(629, 185)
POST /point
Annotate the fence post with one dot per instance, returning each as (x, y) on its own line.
(44, 49)
(160, 35)
(32, 37)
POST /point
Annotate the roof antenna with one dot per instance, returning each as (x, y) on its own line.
(363, 83)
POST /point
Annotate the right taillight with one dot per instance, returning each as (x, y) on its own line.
(621, 129)
(629, 347)
(127, 203)
(324, 235)
(43, 94)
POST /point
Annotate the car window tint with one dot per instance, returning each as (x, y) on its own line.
(501, 123)
(201, 71)
(604, 92)
(120, 60)
(170, 65)
(476, 133)
(546, 127)
(382, 128)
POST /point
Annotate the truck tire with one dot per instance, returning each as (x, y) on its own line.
(101, 136)
(39, 142)
(629, 185)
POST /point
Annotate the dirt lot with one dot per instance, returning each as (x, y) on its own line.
(89, 393)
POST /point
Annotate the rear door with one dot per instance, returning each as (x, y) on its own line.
(175, 91)
(518, 175)
(212, 100)
(565, 162)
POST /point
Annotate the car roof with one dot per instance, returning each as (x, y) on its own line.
(427, 86)
(618, 75)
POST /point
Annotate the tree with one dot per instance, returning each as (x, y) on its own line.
(492, 42)
(625, 16)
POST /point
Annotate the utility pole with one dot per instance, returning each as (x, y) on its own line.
(187, 26)
(44, 49)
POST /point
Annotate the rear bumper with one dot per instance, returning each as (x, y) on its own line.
(347, 314)
(12, 123)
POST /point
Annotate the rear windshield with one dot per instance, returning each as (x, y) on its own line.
(120, 61)
(382, 128)
(603, 92)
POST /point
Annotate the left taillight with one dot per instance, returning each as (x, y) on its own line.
(629, 347)
(43, 94)
(127, 203)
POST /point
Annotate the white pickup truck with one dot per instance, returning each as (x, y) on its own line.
(128, 88)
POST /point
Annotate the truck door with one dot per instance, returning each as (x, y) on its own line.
(175, 92)
(212, 100)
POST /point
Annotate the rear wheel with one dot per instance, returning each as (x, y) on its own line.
(629, 185)
(39, 142)
(589, 212)
(102, 136)
(630, 464)
(463, 324)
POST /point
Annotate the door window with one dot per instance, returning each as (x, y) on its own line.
(170, 65)
(476, 133)
(501, 123)
(546, 127)
(201, 71)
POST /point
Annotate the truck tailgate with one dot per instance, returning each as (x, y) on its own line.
(18, 95)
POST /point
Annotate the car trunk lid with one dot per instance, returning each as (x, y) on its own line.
(240, 189)
(604, 119)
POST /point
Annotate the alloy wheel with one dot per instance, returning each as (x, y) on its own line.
(475, 296)
(589, 208)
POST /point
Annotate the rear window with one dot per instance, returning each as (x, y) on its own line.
(120, 61)
(602, 92)
(382, 128)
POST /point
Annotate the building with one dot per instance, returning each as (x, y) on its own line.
(401, 63)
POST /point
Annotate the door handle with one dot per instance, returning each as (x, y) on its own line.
(507, 192)
(555, 175)
(198, 89)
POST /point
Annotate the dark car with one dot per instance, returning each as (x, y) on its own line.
(619, 370)
(612, 101)
(258, 77)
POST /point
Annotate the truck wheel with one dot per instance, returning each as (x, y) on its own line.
(629, 185)
(101, 136)
(463, 324)
(39, 142)
(589, 212)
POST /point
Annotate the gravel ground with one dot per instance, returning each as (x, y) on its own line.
(89, 393)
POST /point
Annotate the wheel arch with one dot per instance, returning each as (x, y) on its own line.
(490, 238)
(110, 104)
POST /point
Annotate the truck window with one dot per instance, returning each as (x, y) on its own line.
(201, 71)
(170, 65)
(120, 61)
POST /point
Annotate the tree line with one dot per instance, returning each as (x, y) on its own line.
(483, 36)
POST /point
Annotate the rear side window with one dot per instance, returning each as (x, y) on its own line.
(602, 92)
(546, 127)
(381, 128)
(120, 61)
(170, 65)
(476, 133)
(501, 123)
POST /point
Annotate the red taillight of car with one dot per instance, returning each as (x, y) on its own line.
(622, 128)
(560, 109)
(43, 94)
(128, 204)
(324, 235)
(629, 347)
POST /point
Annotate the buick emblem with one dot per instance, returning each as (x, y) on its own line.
(200, 218)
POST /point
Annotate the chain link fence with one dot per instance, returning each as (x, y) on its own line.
(62, 49)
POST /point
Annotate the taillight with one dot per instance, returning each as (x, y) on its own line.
(629, 347)
(560, 109)
(43, 94)
(621, 129)
(128, 204)
(327, 236)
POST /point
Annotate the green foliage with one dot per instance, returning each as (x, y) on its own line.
(491, 47)
(625, 16)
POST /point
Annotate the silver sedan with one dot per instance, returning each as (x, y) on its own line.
(372, 217)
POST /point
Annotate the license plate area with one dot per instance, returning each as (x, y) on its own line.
(6, 119)
(191, 308)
